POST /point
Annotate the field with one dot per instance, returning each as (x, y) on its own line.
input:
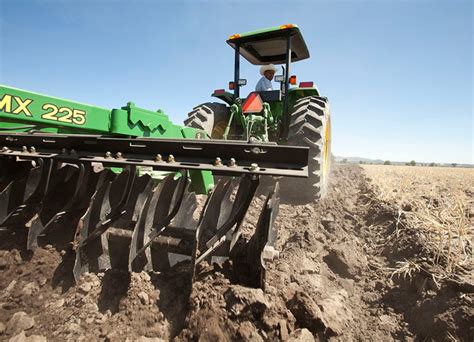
(386, 256)
(439, 203)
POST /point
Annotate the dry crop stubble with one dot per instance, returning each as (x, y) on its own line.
(437, 202)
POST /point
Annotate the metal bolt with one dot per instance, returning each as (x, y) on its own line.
(119, 155)
(4, 149)
(254, 167)
(63, 151)
(253, 140)
(73, 151)
(171, 159)
(270, 253)
(158, 158)
(232, 162)
(108, 155)
(218, 162)
(32, 149)
(24, 149)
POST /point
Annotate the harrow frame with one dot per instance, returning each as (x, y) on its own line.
(105, 213)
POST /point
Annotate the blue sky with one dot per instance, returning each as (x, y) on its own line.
(399, 74)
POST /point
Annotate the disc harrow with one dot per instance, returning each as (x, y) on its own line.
(67, 189)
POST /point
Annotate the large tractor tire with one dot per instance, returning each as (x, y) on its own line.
(210, 117)
(310, 125)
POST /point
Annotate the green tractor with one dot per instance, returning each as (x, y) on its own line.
(291, 115)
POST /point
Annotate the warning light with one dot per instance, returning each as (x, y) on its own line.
(234, 36)
(286, 26)
(306, 84)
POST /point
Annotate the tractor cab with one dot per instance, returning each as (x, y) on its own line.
(280, 45)
(276, 45)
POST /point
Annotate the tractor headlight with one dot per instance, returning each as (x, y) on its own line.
(279, 78)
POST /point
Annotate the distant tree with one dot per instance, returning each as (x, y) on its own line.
(344, 161)
(387, 162)
(454, 164)
(361, 162)
(433, 164)
(413, 163)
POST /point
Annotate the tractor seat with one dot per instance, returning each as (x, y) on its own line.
(270, 95)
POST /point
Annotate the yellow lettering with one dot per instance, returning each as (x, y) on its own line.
(79, 117)
(52, 114)
(6, 103)
(22, 106)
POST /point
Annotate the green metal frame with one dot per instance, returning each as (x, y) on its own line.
(23, 111)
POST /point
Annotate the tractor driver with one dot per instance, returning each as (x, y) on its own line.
(265, 83)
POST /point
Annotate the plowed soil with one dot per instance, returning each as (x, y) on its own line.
(333, 280)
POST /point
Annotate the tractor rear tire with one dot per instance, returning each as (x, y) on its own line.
(210, 117)
(310, 125)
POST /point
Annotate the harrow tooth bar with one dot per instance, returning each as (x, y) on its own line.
(21, 198)
(12, 170)
(187, 154)
(96, 212)
(176, 242)
(216, 213)
(261, 245)
(208, 219)
(184, 218)
(110, 209)
(116, 203)
(66, 179)
(158, 212)
(74, 192)
(229, 224)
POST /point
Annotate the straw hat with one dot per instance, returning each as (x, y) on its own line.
(264, 68)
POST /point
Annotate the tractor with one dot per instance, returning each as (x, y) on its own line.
(291, 115)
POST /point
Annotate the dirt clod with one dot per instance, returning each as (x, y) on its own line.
(242, 301)
(143, 298)
(20, 321)
(307, 313)
(301, 335)
(21, 337)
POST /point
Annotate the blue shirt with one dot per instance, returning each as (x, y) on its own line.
(264, 84)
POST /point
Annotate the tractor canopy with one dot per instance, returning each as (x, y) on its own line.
(269, 45)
